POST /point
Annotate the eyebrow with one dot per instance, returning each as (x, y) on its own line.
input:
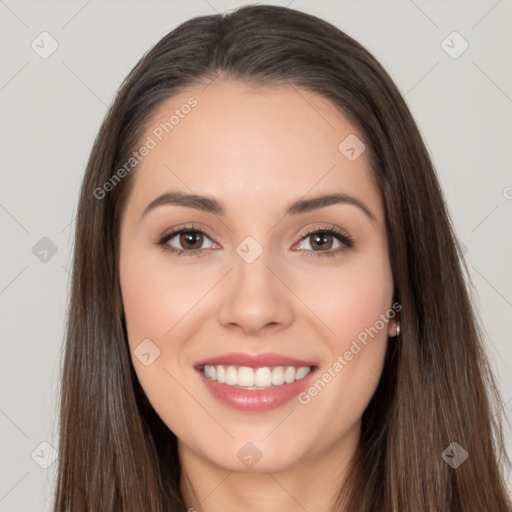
(211, 205)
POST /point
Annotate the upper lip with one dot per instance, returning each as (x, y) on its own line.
(254, 360)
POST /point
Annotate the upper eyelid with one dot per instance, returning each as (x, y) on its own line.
(171, 233)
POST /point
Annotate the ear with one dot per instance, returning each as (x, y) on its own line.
(392, 327)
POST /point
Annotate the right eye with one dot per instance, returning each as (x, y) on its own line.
(190, 239)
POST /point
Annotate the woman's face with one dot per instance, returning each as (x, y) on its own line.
(266, 281)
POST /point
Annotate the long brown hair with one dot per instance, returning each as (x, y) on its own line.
(436, 388)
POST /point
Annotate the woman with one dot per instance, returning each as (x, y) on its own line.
(268, 304)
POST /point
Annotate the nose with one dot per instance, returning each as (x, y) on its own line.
(255, 297)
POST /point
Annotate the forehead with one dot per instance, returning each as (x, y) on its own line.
(251, 146)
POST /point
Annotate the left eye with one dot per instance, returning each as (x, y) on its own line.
(321, 241)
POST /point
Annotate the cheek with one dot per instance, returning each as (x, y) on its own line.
(157, 297)
(356, 301)
(356, 305)
(351, 298)
(157, 294)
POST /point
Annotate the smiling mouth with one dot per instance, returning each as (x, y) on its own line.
(260, 378)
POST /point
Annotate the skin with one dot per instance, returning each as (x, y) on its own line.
(256, 150)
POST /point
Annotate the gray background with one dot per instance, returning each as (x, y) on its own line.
(51, 111)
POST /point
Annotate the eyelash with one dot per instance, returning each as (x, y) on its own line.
(346, 241)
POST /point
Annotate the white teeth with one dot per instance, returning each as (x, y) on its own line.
(278, 377)
(255, 378)
(301, 372)
(245, 376)
(221, 374)
(263, 377)
(231, 376)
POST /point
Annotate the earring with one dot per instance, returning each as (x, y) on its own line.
(397, 329)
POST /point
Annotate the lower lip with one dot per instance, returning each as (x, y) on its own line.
(256, 399)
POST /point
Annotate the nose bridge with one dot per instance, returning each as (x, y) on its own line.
(256, 297)
(251, 273)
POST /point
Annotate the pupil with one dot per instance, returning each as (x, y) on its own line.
(320, 236)
(191, 239)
